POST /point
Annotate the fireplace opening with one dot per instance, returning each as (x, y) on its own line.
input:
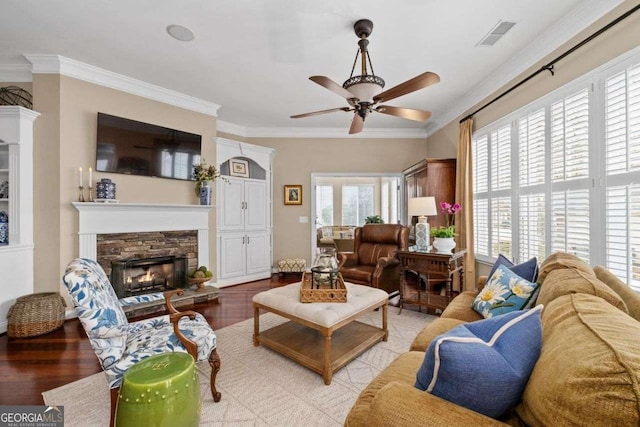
(148, 275)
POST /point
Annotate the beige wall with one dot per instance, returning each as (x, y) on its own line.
(28, 86)
(613, 43)
(46, 183)
(296, 159)
(66, 140)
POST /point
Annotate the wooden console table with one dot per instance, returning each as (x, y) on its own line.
(442, 268)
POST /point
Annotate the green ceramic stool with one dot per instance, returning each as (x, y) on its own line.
(161, 390)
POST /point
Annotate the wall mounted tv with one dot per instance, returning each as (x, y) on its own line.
(135, 148)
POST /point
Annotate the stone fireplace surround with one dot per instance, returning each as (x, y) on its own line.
(142, 226)
(111, 218)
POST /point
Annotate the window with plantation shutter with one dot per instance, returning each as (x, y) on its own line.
(570, 223)
(481, 165)
(501, 236)
(480, 149)
(622, 171)
(501, 158)
(481, 226)
(563, 174)
(531, 148)
(570, 137)
(532, 226)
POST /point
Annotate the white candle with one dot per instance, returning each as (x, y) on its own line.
(80, 169)
(90, 177)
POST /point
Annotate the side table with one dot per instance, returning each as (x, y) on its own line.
(437, 268)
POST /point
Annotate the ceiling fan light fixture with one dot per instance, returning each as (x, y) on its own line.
(364, 92)
(364, 87)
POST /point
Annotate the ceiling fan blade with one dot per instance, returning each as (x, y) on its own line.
(334, 87)
(357, 124)
(405, 113)
(315, 113)
(416, 83)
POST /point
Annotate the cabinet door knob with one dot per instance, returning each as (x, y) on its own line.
(247, 240)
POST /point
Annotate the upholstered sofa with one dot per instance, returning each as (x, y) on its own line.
(336, 236)
(588, 372)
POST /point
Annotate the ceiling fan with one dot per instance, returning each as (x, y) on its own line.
(364, 92)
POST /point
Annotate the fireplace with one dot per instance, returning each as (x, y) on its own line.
(141, 276)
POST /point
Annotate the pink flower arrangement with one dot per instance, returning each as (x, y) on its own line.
(449, 210)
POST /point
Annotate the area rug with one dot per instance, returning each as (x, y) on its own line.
(260, 387)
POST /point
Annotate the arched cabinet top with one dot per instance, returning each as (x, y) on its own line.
(256, 155)
(243, 167)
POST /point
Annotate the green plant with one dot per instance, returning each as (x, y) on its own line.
(449, 231)
(374, 219)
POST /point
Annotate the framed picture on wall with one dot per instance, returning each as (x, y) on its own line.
(239, 168)
(293, 194)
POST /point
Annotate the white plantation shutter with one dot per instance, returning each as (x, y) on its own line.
(531, 148)
(622, 170)
(481, 165)
(480, 149)
(532, 226)
(501, 231)
(501, 158)
(481, 226)
(563, 174)
(570, 223)
(570, 197)
(570, 137)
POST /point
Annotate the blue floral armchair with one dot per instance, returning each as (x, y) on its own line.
(118, 343)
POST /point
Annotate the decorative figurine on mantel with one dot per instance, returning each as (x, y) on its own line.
(205, 176)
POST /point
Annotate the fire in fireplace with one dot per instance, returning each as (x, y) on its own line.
(148, 275)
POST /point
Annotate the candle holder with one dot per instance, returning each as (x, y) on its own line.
(90, 193)
(81, 194)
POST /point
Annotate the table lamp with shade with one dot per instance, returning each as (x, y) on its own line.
(422, 207)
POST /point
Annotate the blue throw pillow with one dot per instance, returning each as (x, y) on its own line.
(504, 292)
(484, 365)
(527, 270)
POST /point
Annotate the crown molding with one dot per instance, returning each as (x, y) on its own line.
(56, 64)
(15, 73)
(333, 133)
(231, 128)
(572, 23)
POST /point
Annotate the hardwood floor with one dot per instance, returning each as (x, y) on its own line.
(29, 366)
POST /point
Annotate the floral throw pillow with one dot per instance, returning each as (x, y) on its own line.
(504, 292)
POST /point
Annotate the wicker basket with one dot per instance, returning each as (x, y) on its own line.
(36, 314)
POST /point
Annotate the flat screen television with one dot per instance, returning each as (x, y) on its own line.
(135, 148)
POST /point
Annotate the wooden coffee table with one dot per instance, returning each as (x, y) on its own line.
(323, 337)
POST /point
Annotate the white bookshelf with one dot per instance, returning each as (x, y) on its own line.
(16, 167)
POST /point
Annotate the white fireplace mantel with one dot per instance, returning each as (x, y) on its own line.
(103, 218)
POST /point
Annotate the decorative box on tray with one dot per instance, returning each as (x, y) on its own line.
(325, 293)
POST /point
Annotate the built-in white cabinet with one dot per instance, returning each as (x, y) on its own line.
(244, 207)
(245, 204)
(16, 168)
(244, 254)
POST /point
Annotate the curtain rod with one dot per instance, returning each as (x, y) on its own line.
(549, 67)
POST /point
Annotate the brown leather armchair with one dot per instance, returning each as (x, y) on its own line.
(373, 261)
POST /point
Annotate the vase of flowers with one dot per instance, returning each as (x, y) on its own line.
(443, 236)
(205, 175)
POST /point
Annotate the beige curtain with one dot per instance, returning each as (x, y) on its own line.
(464, 196)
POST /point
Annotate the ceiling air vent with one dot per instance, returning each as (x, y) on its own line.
(496, 33)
